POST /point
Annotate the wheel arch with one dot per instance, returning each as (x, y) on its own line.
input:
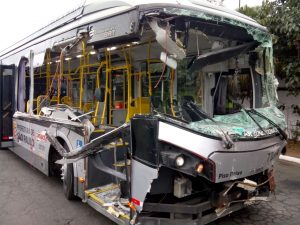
(53, 153)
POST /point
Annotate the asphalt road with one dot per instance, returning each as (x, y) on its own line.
(29, 197)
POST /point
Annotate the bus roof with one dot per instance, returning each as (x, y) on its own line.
(202, 5)
(92, 6)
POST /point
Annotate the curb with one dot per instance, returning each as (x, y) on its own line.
(290, 159)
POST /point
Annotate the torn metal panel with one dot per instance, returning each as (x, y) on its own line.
(39, 58)
(220, 55)
(142, 177)
(55, 143)
(163, 38)
(258, 33)
(95, 145)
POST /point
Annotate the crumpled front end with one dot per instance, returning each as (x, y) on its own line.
(179, 175)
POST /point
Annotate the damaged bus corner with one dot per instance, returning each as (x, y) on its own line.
(151, 113)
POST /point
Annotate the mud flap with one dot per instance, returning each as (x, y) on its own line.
(272, 183)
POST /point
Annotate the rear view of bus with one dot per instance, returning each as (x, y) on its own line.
(169, 110)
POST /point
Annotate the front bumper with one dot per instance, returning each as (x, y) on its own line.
(199, 209)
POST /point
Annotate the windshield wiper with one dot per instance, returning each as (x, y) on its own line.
(225, 137)
(254, 120)
(248, 113)
(280, 131)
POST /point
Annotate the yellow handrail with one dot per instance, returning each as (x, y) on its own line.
(106, 86)
(82, 62)
(95, 119)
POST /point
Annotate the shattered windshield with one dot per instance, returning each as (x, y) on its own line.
(222, 71)
(218, 92)
(224, 91)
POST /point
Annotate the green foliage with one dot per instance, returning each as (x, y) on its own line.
(252, 12)
(282, 18)
(292, 70)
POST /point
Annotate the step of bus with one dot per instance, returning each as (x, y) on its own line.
(107, 201)
(121, 164)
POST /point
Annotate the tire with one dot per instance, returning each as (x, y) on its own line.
(68, 180)
(54, 169)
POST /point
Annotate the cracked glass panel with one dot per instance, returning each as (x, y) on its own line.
(241, 125)
(259, 35)
(231, 91)
(265, 67)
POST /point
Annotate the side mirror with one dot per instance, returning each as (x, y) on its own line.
(99, 95)
(172, 63)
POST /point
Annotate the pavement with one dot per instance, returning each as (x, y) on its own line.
(29, 197)
(292, 153)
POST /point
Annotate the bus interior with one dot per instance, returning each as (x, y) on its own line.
(111, 84)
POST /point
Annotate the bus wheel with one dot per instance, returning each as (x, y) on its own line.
(68, 179)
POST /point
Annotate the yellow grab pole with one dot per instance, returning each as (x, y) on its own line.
(128, 66)
(140, 91)
(110, 90)
(82, 62)
(106, 86)
(95, 120)
(172, 77)
(61, 71)
(148, 69)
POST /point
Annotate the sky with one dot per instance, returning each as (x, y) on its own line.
(19, 18)
(234, 4)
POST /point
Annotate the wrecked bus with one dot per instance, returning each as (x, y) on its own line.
(160, 112)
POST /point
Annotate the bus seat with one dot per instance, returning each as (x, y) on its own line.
(87, 107)
(145, 104)
(66, 100)
(42, 101)
(53, 100)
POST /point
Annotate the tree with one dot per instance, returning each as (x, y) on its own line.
(282, 18)
(252, 12)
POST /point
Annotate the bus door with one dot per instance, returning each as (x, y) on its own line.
(6, 104)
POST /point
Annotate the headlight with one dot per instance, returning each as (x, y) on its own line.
(179, 161)
(199, 168)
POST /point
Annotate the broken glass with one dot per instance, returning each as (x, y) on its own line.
(258, 34)
(241, 125)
